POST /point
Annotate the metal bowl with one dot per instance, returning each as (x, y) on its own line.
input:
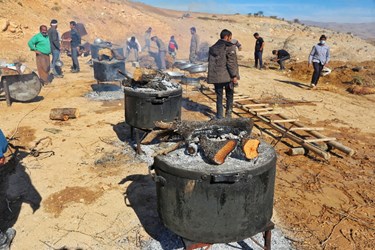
(197, 69)
(185, 66)
(190, 81)
(175, 75)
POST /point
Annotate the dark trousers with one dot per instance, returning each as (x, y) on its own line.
(162, 60)
(128, 51)
(258, 57)
(43, 66)
(55, 57)
(75, 58)
(281, 61)
(317, 70)
(219, 99)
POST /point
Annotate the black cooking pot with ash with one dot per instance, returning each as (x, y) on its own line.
(143, 107)
(215, 204)
(108, 71)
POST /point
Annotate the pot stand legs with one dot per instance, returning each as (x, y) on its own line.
(190, 245)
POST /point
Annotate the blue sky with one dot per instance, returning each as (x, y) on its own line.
(343, 11)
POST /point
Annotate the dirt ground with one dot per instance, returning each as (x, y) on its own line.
(96, 193)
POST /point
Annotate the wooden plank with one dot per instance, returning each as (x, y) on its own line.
(274, 112)
(320, 139)
(261, 109)
(256, 105)
(306, 129)
(284, 121)
(334, 144)
(243, 99)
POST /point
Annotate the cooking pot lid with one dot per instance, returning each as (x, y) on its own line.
(179, 163)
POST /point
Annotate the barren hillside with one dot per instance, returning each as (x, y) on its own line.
(115, 20)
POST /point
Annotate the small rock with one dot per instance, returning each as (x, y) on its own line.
(357, 69)
(4, 24)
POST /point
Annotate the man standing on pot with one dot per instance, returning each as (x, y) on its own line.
(75, 41)
(54, 39)
(41, 45)
(162, 51)
(223, 71)
(319, 57)
(194, 45)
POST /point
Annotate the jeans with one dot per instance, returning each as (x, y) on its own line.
(55, 57)
(258, 57)
(219, 99)
(128, 51)
(75, 58)
(281, 61)
(147, 45)
(317, 70)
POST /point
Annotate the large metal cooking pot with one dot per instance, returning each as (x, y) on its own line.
(143, 108)
(175, 75)
(108, 71)
(211, 204)
(22, 88)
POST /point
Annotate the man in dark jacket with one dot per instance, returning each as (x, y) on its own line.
(223, 71)
(258, 52)
(54, 39)
(281, 56)
(74, 44)
(162, 51)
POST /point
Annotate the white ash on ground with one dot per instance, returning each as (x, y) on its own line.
(105, 92)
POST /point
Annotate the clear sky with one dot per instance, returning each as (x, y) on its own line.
(343, 11)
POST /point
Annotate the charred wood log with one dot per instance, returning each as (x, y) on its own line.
(212, 129)
(216, 151)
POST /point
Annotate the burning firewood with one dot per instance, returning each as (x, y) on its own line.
(214, 128)
(216, 151)
(250, 148)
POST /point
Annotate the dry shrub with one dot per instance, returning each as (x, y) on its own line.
(361, 90)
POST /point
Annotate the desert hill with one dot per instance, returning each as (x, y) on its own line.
(115, 20)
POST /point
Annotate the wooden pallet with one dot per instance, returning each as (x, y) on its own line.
(290, 128)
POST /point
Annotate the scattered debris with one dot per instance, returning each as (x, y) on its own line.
(63, 114)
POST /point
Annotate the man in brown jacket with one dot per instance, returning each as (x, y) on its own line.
(223, 71)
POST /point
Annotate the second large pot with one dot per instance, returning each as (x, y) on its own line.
(143, 108)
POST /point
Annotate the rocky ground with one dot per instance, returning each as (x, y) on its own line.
(96, 192)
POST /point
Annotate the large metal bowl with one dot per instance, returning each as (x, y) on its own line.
(197, 69)
(175, 75)
(185, 66)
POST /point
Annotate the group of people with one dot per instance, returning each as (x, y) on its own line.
(318, 57)
(47, 42)
(132, 45)
(223, 70)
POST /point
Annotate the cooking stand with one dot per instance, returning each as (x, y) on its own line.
(190, 245)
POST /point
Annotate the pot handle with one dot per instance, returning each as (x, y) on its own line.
(156, 178)
(225, 178)
(158, 101)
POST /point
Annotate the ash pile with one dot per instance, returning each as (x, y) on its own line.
(149, 80)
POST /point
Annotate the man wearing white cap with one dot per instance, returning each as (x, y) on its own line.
(54, 39)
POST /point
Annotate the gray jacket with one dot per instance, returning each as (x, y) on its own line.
(222, 62)
(319, 53)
